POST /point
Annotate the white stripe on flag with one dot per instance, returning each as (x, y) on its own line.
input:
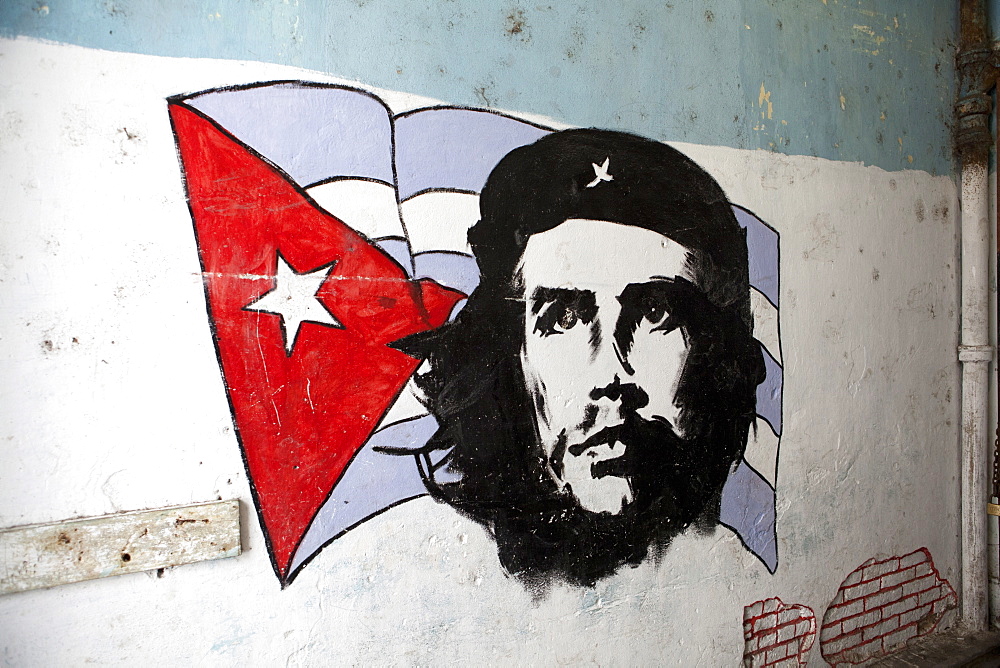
(762, 451)
(765, 323)
(440, 221)
(367, 206)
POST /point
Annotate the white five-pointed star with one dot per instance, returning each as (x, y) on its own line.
(601, 171)
(294, 299)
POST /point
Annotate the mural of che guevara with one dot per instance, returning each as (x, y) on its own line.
(597, 389)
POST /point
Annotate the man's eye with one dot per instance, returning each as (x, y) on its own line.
(655, 314)
(557, 319)
(659, 319)
(567, 319)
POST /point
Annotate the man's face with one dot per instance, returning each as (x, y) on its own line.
(601, 347)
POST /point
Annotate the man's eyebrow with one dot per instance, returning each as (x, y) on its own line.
(543, 295)
(667, 285)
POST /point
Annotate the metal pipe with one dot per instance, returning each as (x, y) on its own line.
(975, 353)
(973, 138)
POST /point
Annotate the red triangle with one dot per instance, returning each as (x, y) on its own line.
(300, 417)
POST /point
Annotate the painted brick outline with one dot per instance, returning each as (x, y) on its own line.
(882, 605)
(777, 635)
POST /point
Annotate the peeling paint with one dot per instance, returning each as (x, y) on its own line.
(765, 96)
(870, 32)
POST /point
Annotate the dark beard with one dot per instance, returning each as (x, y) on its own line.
(477, 392)
(676, 483)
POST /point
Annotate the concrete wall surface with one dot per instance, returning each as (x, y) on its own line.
(825, 119)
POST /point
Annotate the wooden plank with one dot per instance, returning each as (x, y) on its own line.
(45, 555)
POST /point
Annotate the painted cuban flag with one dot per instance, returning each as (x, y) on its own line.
(329, 228)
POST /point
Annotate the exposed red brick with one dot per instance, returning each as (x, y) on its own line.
(789, 615)
(751, 611)
(777, 653)
(852, 579)
(866, 588)
(861, 621)
(898, 577)
(879, 568)
(915, 615)
(777, 634)
(900, 636)
(859, 653)
(841, 643)
(787, 631)
(919, 557)
(880, 629)
(919, 585)
(902, 605)
(846, 609)
(882, 605)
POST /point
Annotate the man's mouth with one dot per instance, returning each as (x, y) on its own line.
(601, 444)
(617, 467)
(597, 470)
(606, 436)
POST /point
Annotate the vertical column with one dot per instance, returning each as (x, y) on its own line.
(974, 140)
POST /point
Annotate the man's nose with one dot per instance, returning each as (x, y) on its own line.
(608, 355)
(629, 396)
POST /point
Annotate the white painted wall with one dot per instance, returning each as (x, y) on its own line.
(111, 399)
